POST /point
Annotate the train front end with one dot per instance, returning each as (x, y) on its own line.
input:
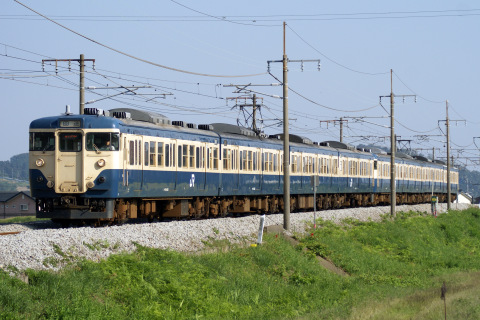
(73, 166)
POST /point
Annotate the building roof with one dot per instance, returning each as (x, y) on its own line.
(6, 196)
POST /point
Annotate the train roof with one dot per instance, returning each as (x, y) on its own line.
(125, 117)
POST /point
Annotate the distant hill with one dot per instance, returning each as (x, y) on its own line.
(14, 173)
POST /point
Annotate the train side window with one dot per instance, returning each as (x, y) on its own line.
(135, 152)
(153, 154)
(173, 155)
(167, 155)
(241, 160)
(225, 159)
(160, 155)
(185, 155)
(145, 156)
(197, 153)
(234, 159)
(215, 158)
(132, 153)
(179, 163)
(209, 158)
(139, 152)
(275, 162)
(249, 160)
(191, 154)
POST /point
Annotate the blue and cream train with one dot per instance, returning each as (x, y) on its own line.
(125, 163)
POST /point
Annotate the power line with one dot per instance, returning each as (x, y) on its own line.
(432, 101)
(134, 57)
(269, 18)
(221, 18)
(331, 60)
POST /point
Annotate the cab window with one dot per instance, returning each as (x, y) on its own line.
(70, 141)
(102, 141)
(42, 141)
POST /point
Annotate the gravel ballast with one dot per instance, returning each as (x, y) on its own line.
(42, 246)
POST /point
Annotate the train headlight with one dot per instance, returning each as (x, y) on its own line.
(101, 163)
(50, 184)
(90, 184)
(39, 162)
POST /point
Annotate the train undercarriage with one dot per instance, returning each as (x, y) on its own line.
(101, 212)
(204, 207)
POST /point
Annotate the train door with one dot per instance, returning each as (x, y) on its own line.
(200, 159)
(375, 176)
(133, 170)
(176, 163)
(69, 169)
(257, 167)
(236, 167)
(125, 158)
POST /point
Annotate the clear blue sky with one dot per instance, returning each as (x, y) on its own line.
(432, 47)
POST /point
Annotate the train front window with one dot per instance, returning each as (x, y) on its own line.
(102, 141)
(70, 141)
(42, 141)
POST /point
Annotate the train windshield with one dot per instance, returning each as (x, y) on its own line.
(42, 141)
(102, 141)
(70, 141)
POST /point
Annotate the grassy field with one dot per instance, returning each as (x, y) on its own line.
(21, 219)
(396, 269)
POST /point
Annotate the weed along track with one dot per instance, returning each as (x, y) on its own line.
(327, 264)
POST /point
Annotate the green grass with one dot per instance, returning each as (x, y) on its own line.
(20, 219)
(396, 269)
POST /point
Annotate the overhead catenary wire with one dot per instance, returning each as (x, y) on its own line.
(268, 18)
(421, 97)
(187, 108)
(333, 61)
(222, 18)
(134, 57)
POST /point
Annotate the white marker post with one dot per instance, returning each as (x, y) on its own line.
(260, 229)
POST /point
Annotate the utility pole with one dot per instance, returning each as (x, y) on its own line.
(286, 141)
(243, 88)
(286, 134)
(341, 129)
(447, 124)
(341, 121)
(449, 189)
(82, 84)
(393, 146)
(393, 191)
(242, 107)
(81, 61)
